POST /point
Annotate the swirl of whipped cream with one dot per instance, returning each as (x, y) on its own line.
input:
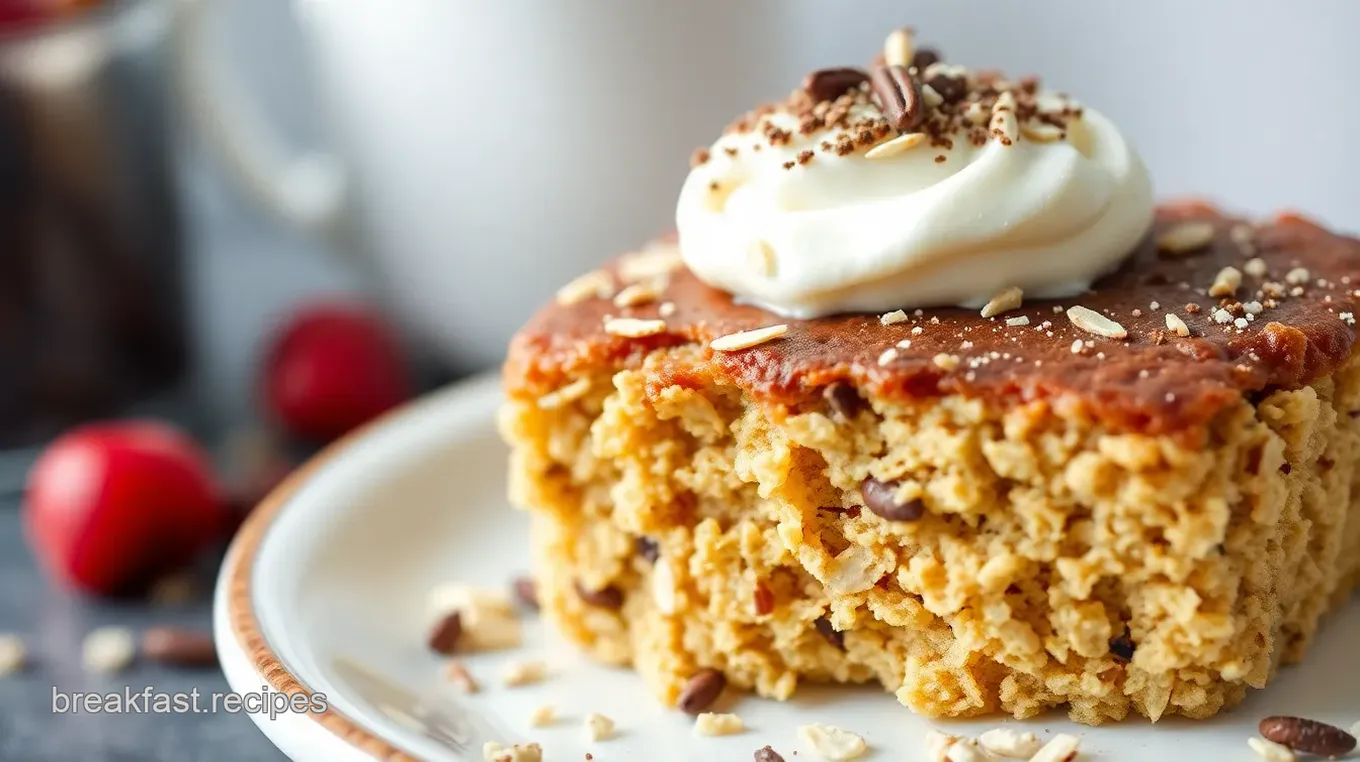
(794, 226)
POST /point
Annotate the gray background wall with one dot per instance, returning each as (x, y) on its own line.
(1255, 103)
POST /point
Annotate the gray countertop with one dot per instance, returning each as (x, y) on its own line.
(53, 624)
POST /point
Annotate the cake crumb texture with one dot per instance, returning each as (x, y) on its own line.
(1056, 562)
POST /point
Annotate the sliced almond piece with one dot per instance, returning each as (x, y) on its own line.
(637, 294)
(898, 49)
(746, 339)
(593, 285)
(1041, 132)
(1226, 283)
(599, 728)
(897, 145)
(520, 673)
(1174, 323)
(1271, 751)
(1186, 237)
(1003, 301)
(634, 328)
(892, 318)
(1093, 322)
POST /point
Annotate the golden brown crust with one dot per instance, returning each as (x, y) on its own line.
(1153, 382)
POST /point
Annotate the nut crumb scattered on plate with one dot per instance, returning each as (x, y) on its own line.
(495, 752)
(520, 673)
(718, 724)
(832, 742)
(542, 716)
(598, 727)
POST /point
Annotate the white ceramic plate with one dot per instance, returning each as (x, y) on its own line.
(324, 589)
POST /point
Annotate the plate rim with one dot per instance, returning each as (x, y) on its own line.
(235, 590)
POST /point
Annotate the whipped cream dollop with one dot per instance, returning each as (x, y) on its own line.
(810, 208)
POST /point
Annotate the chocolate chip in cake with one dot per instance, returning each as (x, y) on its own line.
(832, 635)
(1309, 736)
(178, 647)
(607, 597)
(446, 633)
(701, 691)
(830, 84)
(526, 592)
(764, 599)
(843, 399)
(880, 497)
(899, 95)
(766, 754)
(1122, 647)
(648, 549)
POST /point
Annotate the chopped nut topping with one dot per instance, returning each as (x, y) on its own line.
(564, 395)
(712, 724)
(1017, 321)
(650, 263)
(1255, 267)
(1042, 133)
(746, 339)
(634, 328)
(832, 742)
(1175, 324)
(1298, 276)
(946, 361)
(887, 356)
(893, 318)
(896, 146)
(636, 294)
(487, 618)
(1004, 127)
(1093, 322)
(593, 285)
(1186, 238)
(898, 49)
(1003, 301)
(666, 309)
(1226, 283)
(599, 728)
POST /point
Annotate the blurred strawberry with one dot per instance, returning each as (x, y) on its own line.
(332, 367)
(21, 13)
(111, 506)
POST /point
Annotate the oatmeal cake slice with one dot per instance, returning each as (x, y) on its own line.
(1054, 518)
(1118, 477)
